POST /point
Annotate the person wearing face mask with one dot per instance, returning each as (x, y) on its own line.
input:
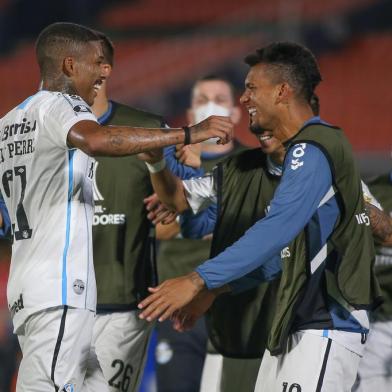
(180, 357)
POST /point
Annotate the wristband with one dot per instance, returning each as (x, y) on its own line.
(157, 166)
(187, 139)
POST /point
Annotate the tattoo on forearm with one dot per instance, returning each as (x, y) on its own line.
(380, 223)
(120, 141)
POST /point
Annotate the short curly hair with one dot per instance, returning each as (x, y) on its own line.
(292, 63)
(58, 40)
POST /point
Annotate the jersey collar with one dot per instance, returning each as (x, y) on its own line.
(107, 114)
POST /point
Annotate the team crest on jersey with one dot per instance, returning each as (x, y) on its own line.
(78, 286)
(69, 388)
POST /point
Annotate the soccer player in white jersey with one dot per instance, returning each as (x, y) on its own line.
(46, 180)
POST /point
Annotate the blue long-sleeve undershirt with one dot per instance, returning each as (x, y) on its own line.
(178, 169)
(305, 181)
(198, 225)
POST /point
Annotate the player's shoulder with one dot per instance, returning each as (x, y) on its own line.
(76, 102)
(127, 115)
(45, 100)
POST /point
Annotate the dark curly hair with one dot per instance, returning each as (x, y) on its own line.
(292, 63)
(59, 40)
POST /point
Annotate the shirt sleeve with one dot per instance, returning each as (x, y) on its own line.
(369, 198)
(306, 180)
(64, 112)
(178, 169)
(254, 278)
(198, 225)
(200, 192)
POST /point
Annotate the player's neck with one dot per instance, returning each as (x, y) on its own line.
(101, 103)
(291, 121)
(60, 84)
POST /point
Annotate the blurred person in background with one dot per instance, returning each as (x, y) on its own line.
(319, 330)
(45, 151)
(180, 356)
(123, 247)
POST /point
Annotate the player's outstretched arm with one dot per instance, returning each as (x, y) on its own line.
(168, 187)
(185, 297)
(170, 296)
(97, 140)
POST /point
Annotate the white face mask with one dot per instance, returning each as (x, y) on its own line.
(207, 110)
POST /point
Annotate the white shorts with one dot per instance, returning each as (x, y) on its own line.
(375, 368)
(212, 373)
(118, 352)
(229, 374)
(311, 363)
(55, 344)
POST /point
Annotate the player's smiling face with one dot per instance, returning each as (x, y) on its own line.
(88, 75)
(259, 98)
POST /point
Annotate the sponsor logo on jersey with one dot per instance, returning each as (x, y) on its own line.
(17, 305)
(109, 219)
(78, 286)
(21, 128)
(75, 97)
(17, 147)
(363, 219)
(100, 218)
(79, 106)
(82, 109)
(299, 151)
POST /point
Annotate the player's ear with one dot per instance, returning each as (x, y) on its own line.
(69, 66)
(106, 70)
(283, 93)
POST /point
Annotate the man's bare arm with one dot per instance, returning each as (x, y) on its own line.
(97, 140)
(381, 225)
(170, 190)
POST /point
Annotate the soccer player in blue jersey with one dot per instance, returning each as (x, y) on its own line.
(321, 320)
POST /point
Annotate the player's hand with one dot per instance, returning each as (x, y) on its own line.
(158, 212)
(152, 156)
(189, 155)
(213, 126)
(186, 317)
(170, 296)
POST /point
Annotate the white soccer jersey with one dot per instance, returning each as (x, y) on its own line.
(47, 188)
